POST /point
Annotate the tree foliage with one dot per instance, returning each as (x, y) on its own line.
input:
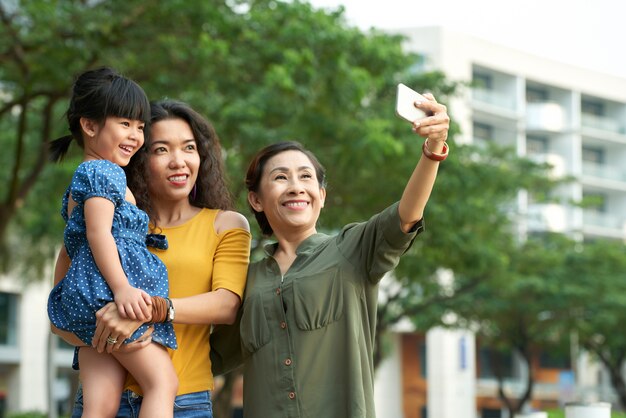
(594, 284)
(262, 71)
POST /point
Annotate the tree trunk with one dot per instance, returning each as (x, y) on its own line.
(530, 382)
(509, 403)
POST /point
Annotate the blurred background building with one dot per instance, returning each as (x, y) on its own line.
(575, 119)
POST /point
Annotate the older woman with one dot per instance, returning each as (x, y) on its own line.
(309, 312)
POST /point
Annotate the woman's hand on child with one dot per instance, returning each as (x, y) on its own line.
(110, 324)
(133, 303)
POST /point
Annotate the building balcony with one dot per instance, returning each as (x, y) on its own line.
(557, 163)
(549, 117)
(601, 123)
(9, 354)
(593, 218)
(547, 217)
(494, 98)
(603, 171)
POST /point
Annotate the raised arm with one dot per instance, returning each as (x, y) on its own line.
(420, 184)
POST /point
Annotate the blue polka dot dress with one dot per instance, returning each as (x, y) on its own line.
(73, 302)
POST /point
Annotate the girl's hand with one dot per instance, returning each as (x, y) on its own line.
(110, 325)
(434, 127)
(133, 303)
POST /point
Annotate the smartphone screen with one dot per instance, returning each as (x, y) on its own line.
(405, 108)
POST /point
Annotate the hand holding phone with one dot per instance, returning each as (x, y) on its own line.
(405, 104)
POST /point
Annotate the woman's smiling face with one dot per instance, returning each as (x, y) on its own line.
(289, 193)
(173, 160)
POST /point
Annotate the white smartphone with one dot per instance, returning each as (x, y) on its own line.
(405, 108)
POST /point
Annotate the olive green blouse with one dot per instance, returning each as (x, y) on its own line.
(307, 337)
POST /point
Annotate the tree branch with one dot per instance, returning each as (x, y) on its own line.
(19, 151)
(17, 50)
(442, 298)
(42, 155)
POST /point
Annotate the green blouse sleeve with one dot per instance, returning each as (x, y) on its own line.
(375, 246)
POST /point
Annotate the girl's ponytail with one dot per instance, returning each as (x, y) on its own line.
(58, 148)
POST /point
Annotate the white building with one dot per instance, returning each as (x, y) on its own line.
(573, 118)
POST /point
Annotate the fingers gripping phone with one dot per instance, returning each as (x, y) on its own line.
(405, 107)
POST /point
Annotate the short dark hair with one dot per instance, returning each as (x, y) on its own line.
(255, 172)
(211, 184)
(98, 94)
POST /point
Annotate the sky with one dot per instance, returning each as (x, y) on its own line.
(585, 33)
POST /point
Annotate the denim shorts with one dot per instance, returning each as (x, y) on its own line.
(189, 405)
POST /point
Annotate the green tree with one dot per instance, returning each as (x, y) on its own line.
(596, 290)
(470, 234)
(520, 310)
(262, 70)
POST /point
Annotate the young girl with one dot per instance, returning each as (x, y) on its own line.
(106, 252)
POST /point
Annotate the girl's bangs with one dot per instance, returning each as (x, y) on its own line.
(127, 100)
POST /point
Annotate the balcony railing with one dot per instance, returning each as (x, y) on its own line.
(547, 217)
(494, 98)
(603, 171)
(556, 161)
(603, 220)
(601, 123)
(546, 116)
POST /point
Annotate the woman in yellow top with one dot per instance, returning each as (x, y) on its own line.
(178, 179)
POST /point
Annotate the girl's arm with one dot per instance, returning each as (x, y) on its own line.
(420, 185)
(132, 302)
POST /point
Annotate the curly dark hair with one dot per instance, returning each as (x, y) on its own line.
(211, 184)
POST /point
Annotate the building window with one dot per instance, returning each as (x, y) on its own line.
(554, 360)
(424, 411)
(536, 144)
(595, 202)
(491, 413)
(8, 319)
(593, 155)
(490, 360)
(482, 81)
(536, 94)
(482, 131)
(422, 353)
(592, 107)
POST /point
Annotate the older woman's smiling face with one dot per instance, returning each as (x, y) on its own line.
(289, 193)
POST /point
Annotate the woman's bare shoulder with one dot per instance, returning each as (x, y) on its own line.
(229, 219)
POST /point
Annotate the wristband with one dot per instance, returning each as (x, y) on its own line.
(159, 309)
(432, 155)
